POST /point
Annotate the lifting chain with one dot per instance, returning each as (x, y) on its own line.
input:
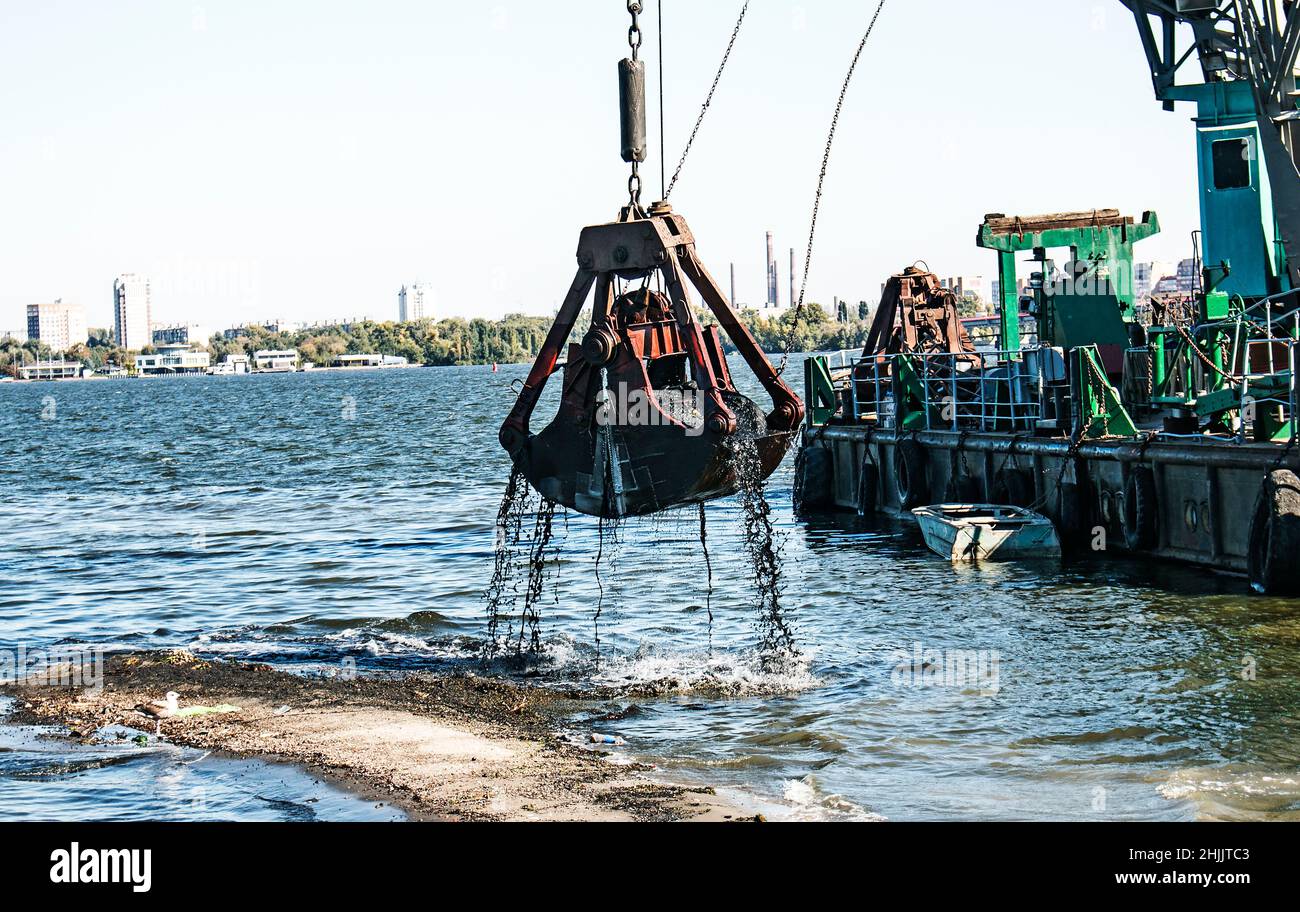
(634, 38)
(634, 33)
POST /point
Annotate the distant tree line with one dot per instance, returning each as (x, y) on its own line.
(434, 343)
(99, 350)
(814, 331)
(515, 339)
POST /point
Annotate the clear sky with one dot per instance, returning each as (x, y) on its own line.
(303, 160)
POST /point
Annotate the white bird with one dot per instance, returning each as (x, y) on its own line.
(160, 709)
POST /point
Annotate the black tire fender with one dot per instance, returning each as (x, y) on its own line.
(814, 482)
(1139, 517)
(1072, 514)
(963, 489)
(1016, 486)
(910, 479)
(868, 488)
(1275, 536)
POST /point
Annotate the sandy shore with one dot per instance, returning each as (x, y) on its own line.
(460, 748)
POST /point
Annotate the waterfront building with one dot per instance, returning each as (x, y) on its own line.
(272, 327)
(1167, 286)
(1188, 280)
(173, 360)
(131, 312)
(232, 365)
(1147, 275)
(182, 334)
(60, 326)
(369, 361)
(414, 303)
(275, 362)
(968, 287)
(52, 370)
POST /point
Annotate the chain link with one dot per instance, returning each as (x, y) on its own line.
(817, 201)
(634, 186)
(634, 33)
(634, 38)
(1196, 350)
(735, 33)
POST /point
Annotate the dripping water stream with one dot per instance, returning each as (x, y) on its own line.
(762, 544)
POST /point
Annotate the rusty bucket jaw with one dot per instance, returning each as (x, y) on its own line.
(649, 416)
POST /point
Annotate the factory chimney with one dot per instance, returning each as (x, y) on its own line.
(771, 273)
(792, 300)
(733, 284)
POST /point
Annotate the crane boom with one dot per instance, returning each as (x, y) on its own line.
(1246, 94)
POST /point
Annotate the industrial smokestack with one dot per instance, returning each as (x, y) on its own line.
(771, 272)
(733, 284)
(792, 300)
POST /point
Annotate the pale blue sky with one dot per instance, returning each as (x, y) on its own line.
(304, 159)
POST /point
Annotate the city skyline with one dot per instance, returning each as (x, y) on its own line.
(1148, 276)
(235, 209)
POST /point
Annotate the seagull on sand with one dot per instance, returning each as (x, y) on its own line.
(160, 709)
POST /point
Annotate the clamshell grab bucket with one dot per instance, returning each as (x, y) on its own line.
(649, 416)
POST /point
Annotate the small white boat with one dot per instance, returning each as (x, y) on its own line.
(982, 532)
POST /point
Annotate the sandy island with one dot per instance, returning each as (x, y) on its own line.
(440, 748)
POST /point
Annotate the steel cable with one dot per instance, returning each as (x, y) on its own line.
(735, 33)
(821, 183)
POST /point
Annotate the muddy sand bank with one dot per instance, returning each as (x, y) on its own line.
(440, 748)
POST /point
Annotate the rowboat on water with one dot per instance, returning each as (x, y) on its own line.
(983, 532)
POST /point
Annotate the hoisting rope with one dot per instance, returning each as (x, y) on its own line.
(735, 33)
(817, 201)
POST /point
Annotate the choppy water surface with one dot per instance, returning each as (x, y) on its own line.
(309, 519)
(123, 777)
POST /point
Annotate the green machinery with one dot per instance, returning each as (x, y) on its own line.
(1216, 370)
(1245, 97)
(1224, 364)
(1093, 300)
(1101, 411)
(1246, 114)
(1088, 310)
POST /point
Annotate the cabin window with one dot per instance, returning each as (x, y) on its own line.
(1231, 164)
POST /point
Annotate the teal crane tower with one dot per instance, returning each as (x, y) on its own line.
(1235, 60)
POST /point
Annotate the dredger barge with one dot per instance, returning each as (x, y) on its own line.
(1163, 428)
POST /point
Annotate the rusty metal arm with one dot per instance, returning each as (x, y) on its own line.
(514, 433)
(788, 410)
(719, 418)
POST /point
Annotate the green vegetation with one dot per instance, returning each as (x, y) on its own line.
(815, 331)
(441, 343)
(97, 352)
(516, 339)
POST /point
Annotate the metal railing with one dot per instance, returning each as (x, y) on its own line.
(1009, 391)
(1244, 367)
(982, 391)
(1286, 398)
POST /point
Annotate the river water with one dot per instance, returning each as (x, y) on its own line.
(319, 519)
